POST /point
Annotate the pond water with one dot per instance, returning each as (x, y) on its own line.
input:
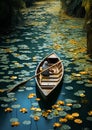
(46, 28)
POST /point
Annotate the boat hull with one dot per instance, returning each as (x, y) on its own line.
(47, 85)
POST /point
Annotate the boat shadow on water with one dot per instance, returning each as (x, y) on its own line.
(46, 103)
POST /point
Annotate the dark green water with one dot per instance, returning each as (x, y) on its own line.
(46, 29)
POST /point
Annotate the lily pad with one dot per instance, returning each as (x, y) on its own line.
(27, 122)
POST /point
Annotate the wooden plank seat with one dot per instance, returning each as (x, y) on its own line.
(48, 83)
(54, 76)
(49, 80)
(47, 86)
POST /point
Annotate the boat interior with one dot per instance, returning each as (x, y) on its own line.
(49, 82)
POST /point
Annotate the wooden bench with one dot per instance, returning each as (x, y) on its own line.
(49, 80)
(47, 87)
(48, 83)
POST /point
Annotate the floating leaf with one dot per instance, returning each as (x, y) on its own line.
(63, 120)
(16, 123)
(4, 105)
(69, 88)
(60, 102)
(14, 119)
(69, 117)
(78, 121)
(37, 99)
(26, 122)
(23, 110)
(90, 113)
(89, 118)
(62, 113)
(11, 95)
(29, 88)
(16, 106)
(56, 124)
(35, 104)
(65, 127)
(31, 95)
(75, 114)
(76, 105)
(8, 109)
(36, 118)
(13, 77)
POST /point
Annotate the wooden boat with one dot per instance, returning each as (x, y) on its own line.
(47, 84)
